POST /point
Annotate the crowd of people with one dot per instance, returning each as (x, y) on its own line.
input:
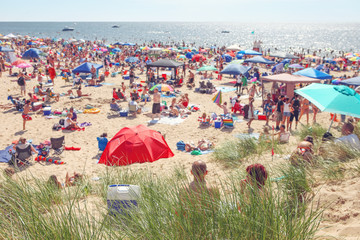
(62, 57)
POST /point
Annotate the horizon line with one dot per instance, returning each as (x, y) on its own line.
(171, 21)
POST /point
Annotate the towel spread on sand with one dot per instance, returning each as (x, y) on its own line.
(5, 156)
(247, 135)
(167, 120)
(246, 97)
(226, 89)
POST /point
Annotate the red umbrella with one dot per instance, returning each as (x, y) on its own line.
(231, 54)
(18, 62)
(198, 57)
(137, 144)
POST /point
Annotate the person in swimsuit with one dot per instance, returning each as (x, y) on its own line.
(156, 104)
(304, 151)
(305, 104)
(25, 113)
(268, 104)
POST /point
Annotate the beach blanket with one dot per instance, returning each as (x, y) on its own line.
(226, 89)
(236, 119)
(168, 96)
(168, 120)
(202, 152)
(99, 85)
(5, 156)
(246, 97)
(85, 124)
(248, 135)
(107, 84)
(72, 148)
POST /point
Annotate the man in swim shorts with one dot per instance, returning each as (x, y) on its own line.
(156, 104)
(25, 114)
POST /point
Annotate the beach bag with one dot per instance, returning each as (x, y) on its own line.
(56, 127)
(180, 146)
(21, 81)
(62, 122)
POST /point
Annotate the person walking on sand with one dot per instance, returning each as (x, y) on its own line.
(25, 113)
(156, 104)
(21, 82)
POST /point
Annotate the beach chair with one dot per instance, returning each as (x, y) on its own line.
(228, 122)
(132, 109)
(57, 145)
(21, 157)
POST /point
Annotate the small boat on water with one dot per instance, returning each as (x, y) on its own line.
(68, 29)
(225, 31)
(116, 26)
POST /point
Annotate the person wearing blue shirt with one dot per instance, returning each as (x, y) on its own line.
(102, 141)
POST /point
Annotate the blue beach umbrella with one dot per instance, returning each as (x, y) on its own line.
(32, 53)
(31, 43)
(189, 55)
(334, 99)
(116, 50)
(5, 49)
(313, 73)
(239, 56)
(259, 59)
(86, 67)
(351, 81)
(227, 57)
(131, 59)
(249, 52)
(235, 69)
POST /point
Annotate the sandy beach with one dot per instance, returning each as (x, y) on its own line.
(341, 219)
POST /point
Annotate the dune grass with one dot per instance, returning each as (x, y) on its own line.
(316, 131)
(38, 211)
(233, 152)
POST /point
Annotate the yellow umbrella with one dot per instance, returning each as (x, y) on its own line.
(353, 59)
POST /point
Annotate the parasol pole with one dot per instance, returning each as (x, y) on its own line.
(332, 120)
(272, 144)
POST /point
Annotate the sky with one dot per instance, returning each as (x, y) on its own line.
(332, 11)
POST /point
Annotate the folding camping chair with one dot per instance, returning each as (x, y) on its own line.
(21, 157)
(132, 109)
(228, 122)
(57, 145)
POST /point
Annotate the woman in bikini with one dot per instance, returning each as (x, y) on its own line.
(305, 104)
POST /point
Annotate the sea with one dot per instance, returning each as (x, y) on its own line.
(293, 37)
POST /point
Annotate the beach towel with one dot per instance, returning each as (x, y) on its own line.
(50, 160)
(246, 97)
(168, 120)
(248, 135)
(5, 156)
(99, 85)
(107, 84)
(72, 148)
(85, 124)
(168, 96)
(199, 152)
(226, 89)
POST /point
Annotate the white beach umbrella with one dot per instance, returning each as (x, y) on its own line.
(11, 36)
(234, 47)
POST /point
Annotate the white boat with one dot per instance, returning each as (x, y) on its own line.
(68, 29)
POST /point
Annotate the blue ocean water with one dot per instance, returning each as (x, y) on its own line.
(283, 36)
